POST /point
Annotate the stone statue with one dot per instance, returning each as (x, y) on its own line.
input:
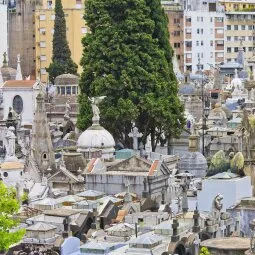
(68, 108)
(94, 102)
(9, 144)
(217, 206)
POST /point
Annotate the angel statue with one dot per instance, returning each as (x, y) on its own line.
(94, 102)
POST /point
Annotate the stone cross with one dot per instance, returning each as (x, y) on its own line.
(135, 135)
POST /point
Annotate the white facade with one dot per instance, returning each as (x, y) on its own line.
(3, 29)
(233, 190)
(203, 38)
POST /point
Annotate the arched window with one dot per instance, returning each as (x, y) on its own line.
(44, 156)
(5, 174)
(18, 104)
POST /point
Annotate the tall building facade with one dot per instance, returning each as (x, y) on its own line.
(44, 30)
(239, 28)
(3, 26)
(203, 34)
(20, 27)
(174, 11)
(31, 29)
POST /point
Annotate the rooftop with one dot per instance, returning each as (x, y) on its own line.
(61, 213)
(12, 165)
(40, 226)
(19, 84)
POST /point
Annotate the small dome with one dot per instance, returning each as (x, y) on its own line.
(8, 73)
(96, 137)
(193, 162)
(66, 79)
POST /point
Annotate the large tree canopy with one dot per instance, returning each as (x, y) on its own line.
(61, 54)
(127, 58)
(8, 206)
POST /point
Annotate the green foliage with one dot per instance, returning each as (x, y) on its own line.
(8, 206)
(237, 163)
(61, 55)
(204, 251)
(24, 197)
(219, 163)
(251, 119)
(127, 58)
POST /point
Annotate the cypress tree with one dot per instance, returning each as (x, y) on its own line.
(124, 59)
(61, 54)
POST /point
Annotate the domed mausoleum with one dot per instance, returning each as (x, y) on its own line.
(193, 162)
(96, 138)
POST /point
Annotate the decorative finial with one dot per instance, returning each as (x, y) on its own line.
(5, 63)
(19, 73)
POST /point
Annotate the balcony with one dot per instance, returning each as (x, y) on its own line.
(219, 47)
(188, 48)
(188, 60)
(188, 36)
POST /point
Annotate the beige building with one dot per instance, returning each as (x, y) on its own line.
(239, 27)
(44, 30)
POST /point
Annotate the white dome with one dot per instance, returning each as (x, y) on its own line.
(96, 137)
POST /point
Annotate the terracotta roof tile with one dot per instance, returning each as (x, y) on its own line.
(153, 167)
(19, 84)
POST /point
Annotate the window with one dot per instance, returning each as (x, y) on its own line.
(219, 31)
(202, 31)
(250, 49)
(188, 44)
(5, 174)
(211, 43)
(220, 43)
(43, 57)
(42, 30)
(17, 104)
(229, 38)
(188, 19)
(243, 27)
(242, 38)
(176, 33)
(228, 50)
(202, 19)
(176, 21)
(228, 59)
(178, 57)
(211, 19)
(198, 31)
(44, 156)
(250, 27)
(198, 55)
(219, 19)
(78, 4)
(43, 71)
(250, 38)
(68, 90)
(235, 27)
(236, 49)
(202, 43)
(49, 4)
(177, 45)
(43, 44)
(228, 27)
(84, 30)
(42, 17)
(235, 38)
(189, 55)
(74, 88)
(197, 43)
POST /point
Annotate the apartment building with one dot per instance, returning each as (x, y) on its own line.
(203, 34)
(239, 27)
(174, 11)
(44, 30)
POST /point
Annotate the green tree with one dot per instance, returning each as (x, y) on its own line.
(9, 205)
(61, 54)
(127, 58)
(204, 251)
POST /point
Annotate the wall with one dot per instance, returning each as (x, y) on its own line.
(20, 36)
(231, 189)
(28, 103)
(76, 29)
(3, 26)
